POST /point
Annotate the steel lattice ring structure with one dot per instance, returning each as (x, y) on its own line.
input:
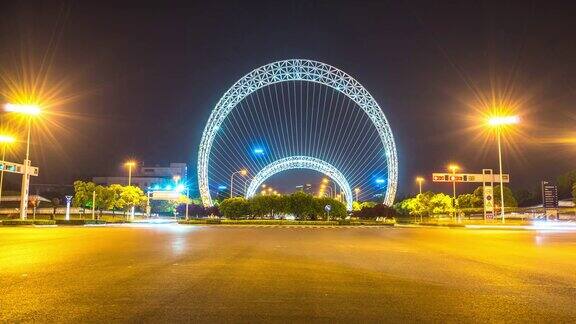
(297, 70)
(301, 162)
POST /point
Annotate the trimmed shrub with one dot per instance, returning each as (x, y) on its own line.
(80, 222)
(44, 222)
(116, 221)
(17, 222)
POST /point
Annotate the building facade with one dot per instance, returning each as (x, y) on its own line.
(150, 177)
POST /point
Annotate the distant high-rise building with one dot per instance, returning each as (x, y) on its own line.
(305, 188)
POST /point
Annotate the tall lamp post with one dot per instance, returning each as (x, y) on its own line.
(453, 168)
(29, 111)
(328, 183)
(4, 140)
(357, 191)
(243, 173)
(419, 180)
(130, 165)
(498, 123)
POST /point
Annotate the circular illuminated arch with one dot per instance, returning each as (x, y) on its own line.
(301, 162)
(297, 70)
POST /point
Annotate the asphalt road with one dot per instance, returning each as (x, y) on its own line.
(253, 274)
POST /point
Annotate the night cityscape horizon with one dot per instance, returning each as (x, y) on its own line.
(287, 161)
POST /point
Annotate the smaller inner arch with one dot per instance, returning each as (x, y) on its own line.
(301, 162)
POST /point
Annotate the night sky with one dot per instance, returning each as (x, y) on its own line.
(145, 77)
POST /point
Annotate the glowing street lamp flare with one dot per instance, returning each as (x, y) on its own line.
(496, 122)
(32, 110)
(419, 180)
(453, 168)
(503, 120)
(29, 110)
(242, 172)
(130, 164)
(7, 139)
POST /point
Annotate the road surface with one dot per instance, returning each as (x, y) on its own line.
(160, 273)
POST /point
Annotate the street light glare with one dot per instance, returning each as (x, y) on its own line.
(453, 167)
(503, 120)
(32, 110)
(243, 172)
(130, 163)
(7, 139)
(419, 179)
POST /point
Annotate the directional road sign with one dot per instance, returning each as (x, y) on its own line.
(17, 168)
(469, 177)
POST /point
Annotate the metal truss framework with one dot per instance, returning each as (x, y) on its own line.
(297, 70)
(301, 162)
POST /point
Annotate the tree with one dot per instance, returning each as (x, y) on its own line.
(378, 210)
(526, 198)
(133, 197)
(117, 202)
(417, 206)
(566, 183)
(301, 205)
(261, 205)
(55, 204)
(104, 199)
(83, 193)
(235, 208)
(369, 204)
(337, 209)
(469, 201)
(441, 204)
(509, 200)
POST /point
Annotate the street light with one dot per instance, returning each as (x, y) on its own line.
(357, 191)
(5, 140)
(28, 110)
(328, 183)
(453, 168)
(419, 180)
(498, 122)
(130, 165)
(243, 173)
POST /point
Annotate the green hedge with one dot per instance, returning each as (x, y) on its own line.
(280, 222)
(116, 221)
(80, 222)
(390, 222)
(19, 222)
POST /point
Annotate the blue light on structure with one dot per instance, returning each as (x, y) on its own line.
(222, 187)
(156, 187)
(380, 181)
(168, 187)
(259, 151)
(180, 188)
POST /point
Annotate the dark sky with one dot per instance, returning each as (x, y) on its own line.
(146, 76)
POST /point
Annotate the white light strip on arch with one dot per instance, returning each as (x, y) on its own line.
(297, 70)
(301, 162)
